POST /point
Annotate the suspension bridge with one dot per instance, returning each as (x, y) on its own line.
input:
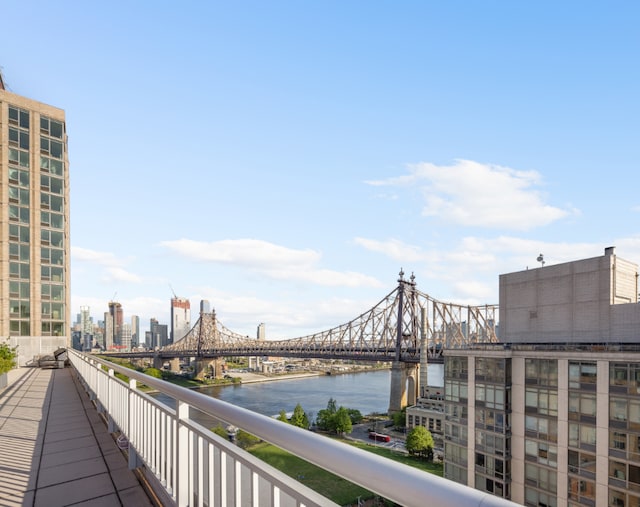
(407, 328)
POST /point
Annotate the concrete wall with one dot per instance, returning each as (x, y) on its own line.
(33, 346)
(571, 302)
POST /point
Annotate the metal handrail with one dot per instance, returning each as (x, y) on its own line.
(399, 483)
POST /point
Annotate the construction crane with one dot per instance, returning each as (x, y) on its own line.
(174, 292)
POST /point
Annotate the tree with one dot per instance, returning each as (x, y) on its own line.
(355, 415)
(299, 417)
(342, 421)
(282, 416)
(7, 357)
(326, 416)
(400, 418)
(245, 440)
(420, 442)
(219, 430)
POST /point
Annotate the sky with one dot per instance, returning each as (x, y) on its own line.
(284, 160)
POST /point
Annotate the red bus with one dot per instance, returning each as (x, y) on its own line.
(379, 437)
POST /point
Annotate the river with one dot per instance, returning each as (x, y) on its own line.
(367, 392)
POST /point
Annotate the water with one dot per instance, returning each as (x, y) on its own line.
(367, 392)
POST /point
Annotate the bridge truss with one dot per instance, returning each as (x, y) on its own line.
(400, 327)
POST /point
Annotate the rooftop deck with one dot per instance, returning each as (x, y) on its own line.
(55, 449)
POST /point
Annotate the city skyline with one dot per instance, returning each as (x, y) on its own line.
(285, 161)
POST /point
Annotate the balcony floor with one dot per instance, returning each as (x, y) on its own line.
(55, 449)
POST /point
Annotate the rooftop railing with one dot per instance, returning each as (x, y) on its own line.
(196, 467)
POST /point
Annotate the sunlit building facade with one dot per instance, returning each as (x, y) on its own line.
(551, 416)
(34, 226)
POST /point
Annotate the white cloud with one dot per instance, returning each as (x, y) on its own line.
(113, 270)
(95, 257)
(469, 193)
(116, 274)
(270, 260)
(394, 249)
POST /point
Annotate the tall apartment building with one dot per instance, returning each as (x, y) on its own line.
(180, 318)
(34, 226)
(551, 416)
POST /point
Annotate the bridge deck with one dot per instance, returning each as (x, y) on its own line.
(55, 449)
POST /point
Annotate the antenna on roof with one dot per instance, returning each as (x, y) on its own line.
(540, 259)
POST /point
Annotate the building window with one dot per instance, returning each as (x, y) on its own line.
(582, 463)
(582, 404)
(542, 372)
(51, 127)
(541, 428)
(582, 375)
(51, 165)
(18, 117)
(541, 477)
(19, 157)
(580, 490)
(582, 435)
(490, 396)
(542, 453)
(18, 138)
(456, 391)
(541, 401)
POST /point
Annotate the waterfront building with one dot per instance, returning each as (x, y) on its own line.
(34, 226)
(550, 416)
(180, 318)
(428, 412)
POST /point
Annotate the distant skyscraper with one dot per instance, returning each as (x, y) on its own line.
(180, 318)
(86, 328)
(261, 331)
(135, 331)
(34, 226)
(157, 334)
(114, 324)
(125, 336)
(205, 306)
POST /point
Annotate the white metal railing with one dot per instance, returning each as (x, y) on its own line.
(196, 467)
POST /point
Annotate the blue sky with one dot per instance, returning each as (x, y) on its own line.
(285, 159)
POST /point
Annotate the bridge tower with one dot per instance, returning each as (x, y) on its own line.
(405, 383)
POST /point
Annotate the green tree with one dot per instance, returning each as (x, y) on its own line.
(326, 417)
(400, 418)
(420, 442)
(299, 417)
(245, 440)
(342, 421)
(355, 415)
(221, 431)
(282, 416)
(7, 357)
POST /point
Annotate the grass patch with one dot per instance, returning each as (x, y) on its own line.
(337, 489)
(327, 484)
(421, 464)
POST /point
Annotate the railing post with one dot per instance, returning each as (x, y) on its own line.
(111, 425)
(134, 460)
(182, 454)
